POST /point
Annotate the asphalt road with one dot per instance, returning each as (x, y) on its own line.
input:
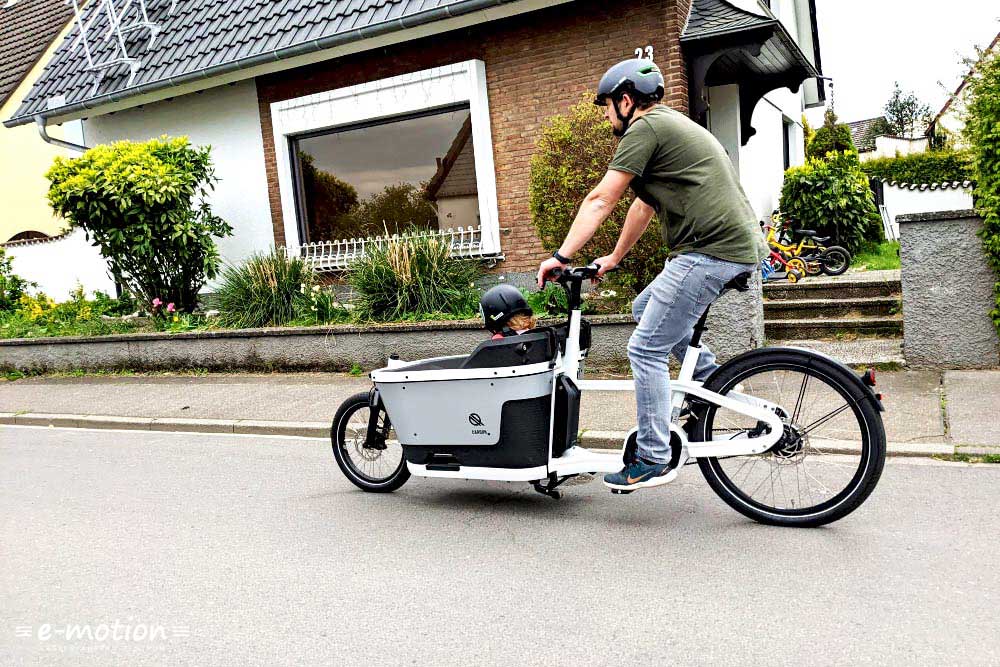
(237, 550)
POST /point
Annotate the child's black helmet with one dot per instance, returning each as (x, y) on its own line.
(499, 304)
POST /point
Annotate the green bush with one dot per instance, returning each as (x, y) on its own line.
(930, 167)
(832, 196)
(145, 206)
(12, 287)
(267, 290)
(571, 157)
(413, 277)
(982, 131)
(832, 137)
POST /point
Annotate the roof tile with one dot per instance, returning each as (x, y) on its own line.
(198, 35)
(26, 29)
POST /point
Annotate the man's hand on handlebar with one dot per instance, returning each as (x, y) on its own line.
(545, 270)
(605, 264)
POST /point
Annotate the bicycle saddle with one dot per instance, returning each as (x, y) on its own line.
(740, 283)
(811, 233)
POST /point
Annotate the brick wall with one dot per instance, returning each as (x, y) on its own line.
(537, 65)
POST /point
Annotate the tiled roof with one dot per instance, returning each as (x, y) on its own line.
(202, 38)
(862, 135)
(26, 29)
(717, 17)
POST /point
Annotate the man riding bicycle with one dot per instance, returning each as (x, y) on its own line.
(681, 173)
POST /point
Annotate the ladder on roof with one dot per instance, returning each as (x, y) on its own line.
(122, 17)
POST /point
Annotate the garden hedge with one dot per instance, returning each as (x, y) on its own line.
(982, 131)
(931, 167)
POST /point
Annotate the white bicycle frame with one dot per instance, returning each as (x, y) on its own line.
(577, 460)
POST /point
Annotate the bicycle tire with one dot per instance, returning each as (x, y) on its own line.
(862, 404)
(837, 268)
(338, 440)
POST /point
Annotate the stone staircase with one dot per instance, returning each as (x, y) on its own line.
(856, 317)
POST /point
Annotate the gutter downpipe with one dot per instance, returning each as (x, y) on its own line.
(339, 39)
(40, 122)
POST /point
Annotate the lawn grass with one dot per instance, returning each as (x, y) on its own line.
(877, 256)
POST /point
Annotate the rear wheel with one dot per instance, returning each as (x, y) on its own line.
(831, 452)
(376, 467)
(835, 260)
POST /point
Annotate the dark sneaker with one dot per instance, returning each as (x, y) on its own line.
(640, 475)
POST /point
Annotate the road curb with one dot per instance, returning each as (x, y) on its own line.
(592, 439)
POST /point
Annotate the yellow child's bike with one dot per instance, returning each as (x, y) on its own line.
(807, 246)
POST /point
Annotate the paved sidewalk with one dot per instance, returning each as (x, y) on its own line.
(304, 404)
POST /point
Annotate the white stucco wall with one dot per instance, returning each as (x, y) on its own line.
(905, 200)
(58, 266)
(761, 162)
(227, 119)
(893, 146)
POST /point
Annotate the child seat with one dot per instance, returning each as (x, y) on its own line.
(533, 347)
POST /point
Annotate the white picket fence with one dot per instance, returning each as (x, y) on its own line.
(337, 255)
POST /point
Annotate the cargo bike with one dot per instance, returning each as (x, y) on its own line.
(783, 435)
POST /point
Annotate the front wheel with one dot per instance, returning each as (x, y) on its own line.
(835, 260)
(374, 467)
(831, 452)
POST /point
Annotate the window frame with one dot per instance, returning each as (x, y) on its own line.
(293, 146)
(384, 101)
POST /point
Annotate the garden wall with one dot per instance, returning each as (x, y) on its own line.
(947, 292)
(907, 198)
(58, 265)
(736, 325)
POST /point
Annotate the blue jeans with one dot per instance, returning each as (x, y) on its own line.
(666, 312)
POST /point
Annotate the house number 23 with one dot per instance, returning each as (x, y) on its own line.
(646, 53)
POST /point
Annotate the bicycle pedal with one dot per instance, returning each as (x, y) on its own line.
(621, 492)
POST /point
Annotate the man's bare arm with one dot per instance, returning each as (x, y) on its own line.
(594, 210)
(636, 222)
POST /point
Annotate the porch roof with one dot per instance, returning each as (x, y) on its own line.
(725, 44)
(201, 39)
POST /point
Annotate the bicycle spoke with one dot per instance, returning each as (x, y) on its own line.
(817, 474)
(825, 418)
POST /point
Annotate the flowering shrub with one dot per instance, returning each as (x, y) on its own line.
(144, 205)
(39, 315)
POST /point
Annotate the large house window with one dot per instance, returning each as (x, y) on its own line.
(414, 173)
(412, 152)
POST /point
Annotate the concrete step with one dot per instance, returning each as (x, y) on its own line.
(796, 309)
(831, 289)
(862, 351)
(890, 326)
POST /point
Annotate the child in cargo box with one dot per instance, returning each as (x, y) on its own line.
(505, 312)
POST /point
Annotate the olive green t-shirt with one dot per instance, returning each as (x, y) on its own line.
(683, 172)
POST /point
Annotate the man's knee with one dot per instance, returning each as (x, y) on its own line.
(639, 348)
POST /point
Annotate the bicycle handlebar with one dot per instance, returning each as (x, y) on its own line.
(579, 273)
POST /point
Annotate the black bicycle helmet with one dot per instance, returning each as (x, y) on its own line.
(501, 303)
(638, 77)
